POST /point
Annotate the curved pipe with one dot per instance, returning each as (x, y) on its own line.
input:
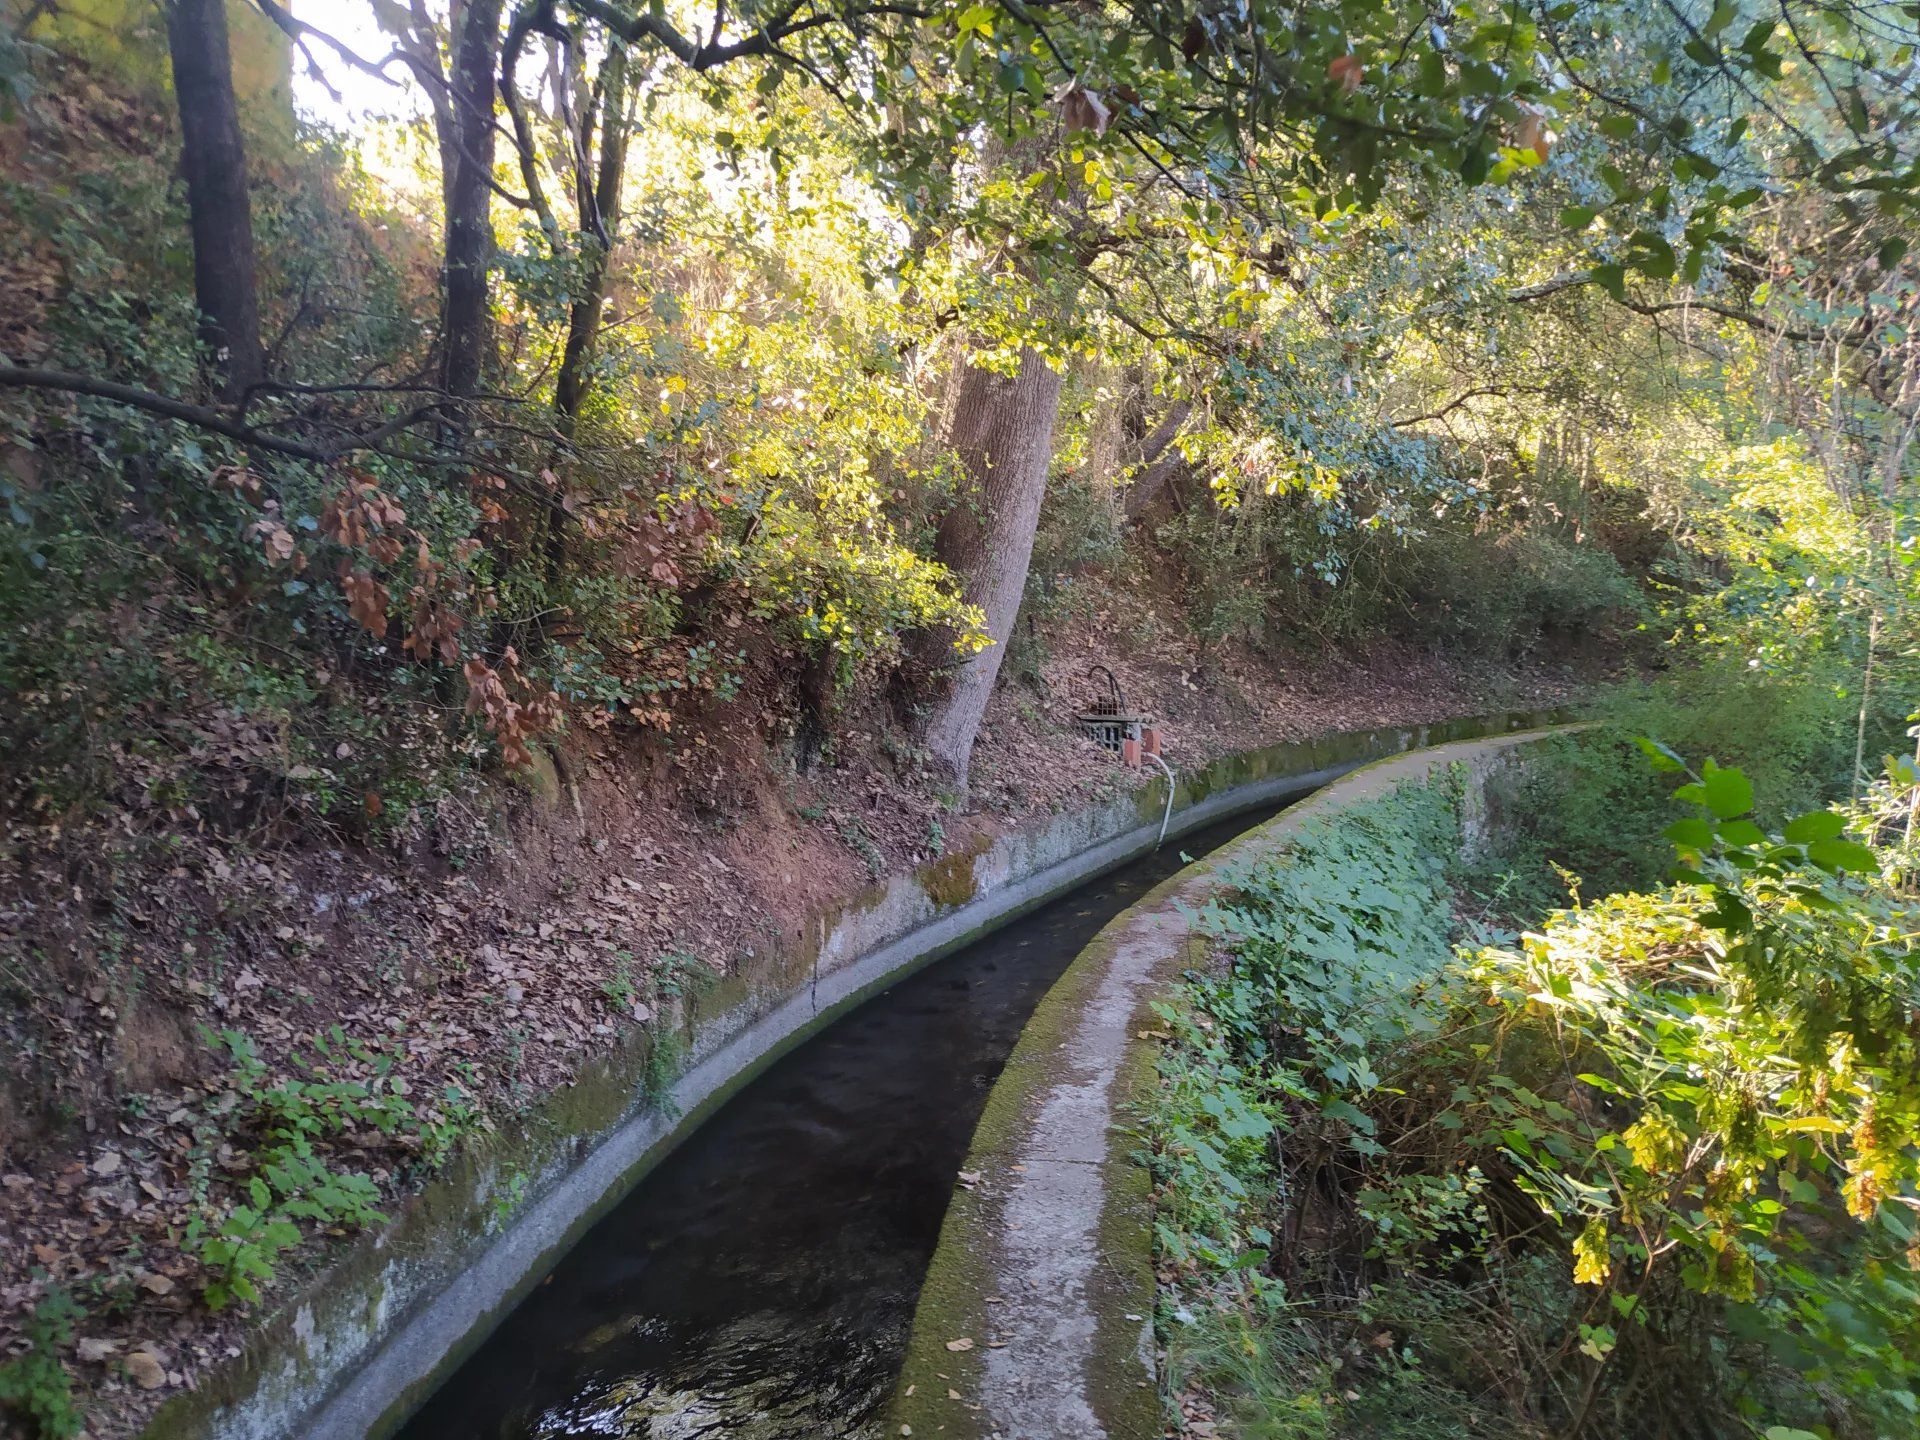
(1113, 688)
(1166, 770)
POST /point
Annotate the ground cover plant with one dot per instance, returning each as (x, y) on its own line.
(1645, 1168)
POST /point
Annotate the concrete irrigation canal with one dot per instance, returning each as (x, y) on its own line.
(761, 1283)
(822, 1197)
(1034, 1318)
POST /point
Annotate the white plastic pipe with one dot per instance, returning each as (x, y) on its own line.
(1167, 770)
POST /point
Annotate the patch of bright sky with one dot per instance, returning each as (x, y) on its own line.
(379, 121)
(383, 123)
(361, 97)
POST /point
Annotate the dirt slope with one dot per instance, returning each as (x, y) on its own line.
(514, 939)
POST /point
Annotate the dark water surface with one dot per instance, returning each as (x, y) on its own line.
(760, 1283)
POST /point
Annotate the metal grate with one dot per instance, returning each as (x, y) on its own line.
(1108, 721)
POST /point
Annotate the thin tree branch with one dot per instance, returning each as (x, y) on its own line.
(213, 421)
(1529, 293)
(1477, 392)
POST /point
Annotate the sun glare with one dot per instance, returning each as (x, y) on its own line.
(337, 93)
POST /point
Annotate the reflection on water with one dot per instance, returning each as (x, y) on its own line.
(759, 1285)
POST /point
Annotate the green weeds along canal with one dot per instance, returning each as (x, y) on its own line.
(1644, 1170)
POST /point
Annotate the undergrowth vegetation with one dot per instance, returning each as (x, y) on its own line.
(282, 1179)
(657, 407)
(34, 1385)
(285, 647)
(1646, 1169)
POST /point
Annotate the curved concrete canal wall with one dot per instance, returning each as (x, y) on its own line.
(1036, 1319)
(366, 1340)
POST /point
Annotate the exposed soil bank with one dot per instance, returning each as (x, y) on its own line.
(1034, 1322)
(374, 1333)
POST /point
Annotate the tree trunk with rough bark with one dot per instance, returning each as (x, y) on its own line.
(598, 202)
(1002, 431)
(1162, 476)
(1166, 432)
(1162, 461)
(213, 158)
(467, 154)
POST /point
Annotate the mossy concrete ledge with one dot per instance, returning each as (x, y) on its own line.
(1035, 1322)
(363, 1342)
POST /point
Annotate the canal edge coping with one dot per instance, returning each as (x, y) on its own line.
(396, 1310)
(1053, 1311)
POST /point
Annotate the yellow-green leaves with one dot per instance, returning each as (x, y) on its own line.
(1592, 1262)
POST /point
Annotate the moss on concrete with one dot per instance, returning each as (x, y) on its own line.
(950, 881)
(962, 1277)
(304, 1353)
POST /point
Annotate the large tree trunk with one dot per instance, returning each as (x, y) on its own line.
(468, 195)
(1002, 431)
(1107, 438)
(214, 160)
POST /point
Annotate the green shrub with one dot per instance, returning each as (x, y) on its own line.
(1652, 1166)
(1504, 591)
(240, 1250)
(1592, 812)
(293, 1185)
(34, 1386)
(1285, 567)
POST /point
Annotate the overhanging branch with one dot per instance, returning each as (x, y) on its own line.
(1752, 318)
(1476, 393)
(215, 422)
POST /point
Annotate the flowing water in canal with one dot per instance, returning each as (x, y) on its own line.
(759, 1284)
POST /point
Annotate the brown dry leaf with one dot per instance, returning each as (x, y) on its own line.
(107, 1164)
(1083, 109)
(147, 1372)
(237, 479)
(1531, 133)
(1346, 71)
(157, 1284)
(276, 541)
(963, 1343)
(367, 601)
